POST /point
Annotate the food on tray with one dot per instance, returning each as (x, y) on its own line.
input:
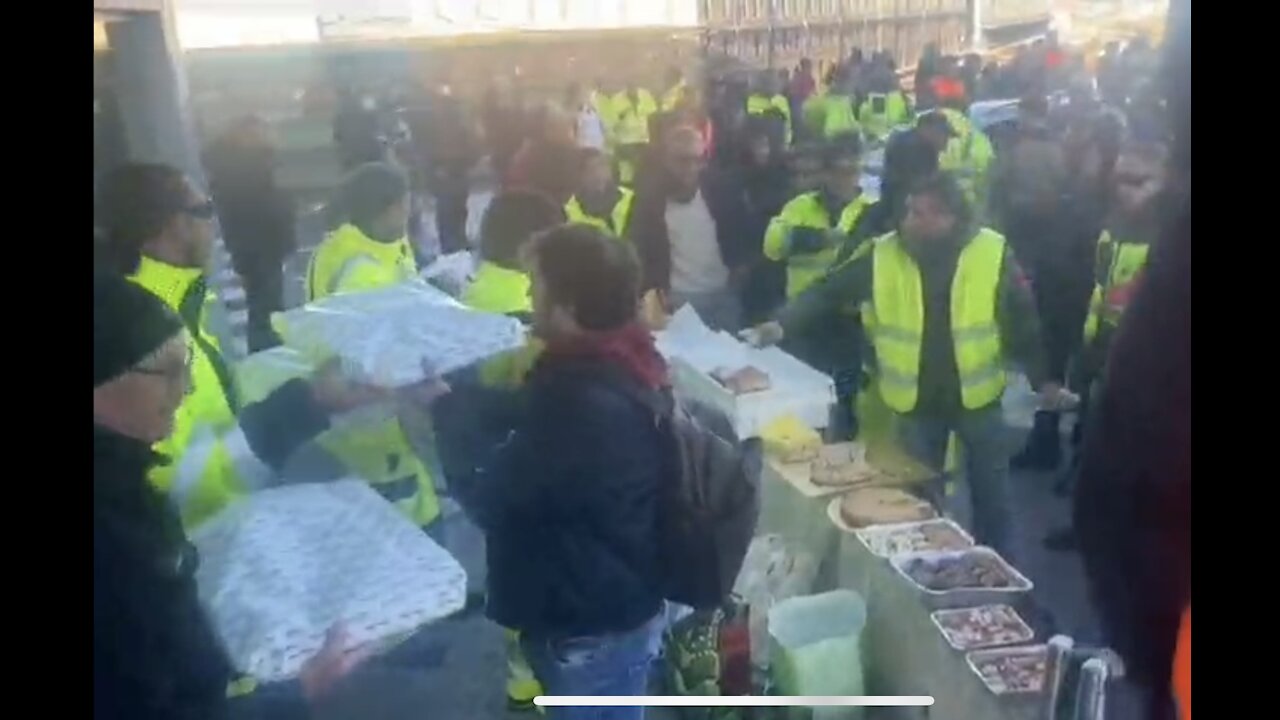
(954, 572)
(983, 627)
(791, 441)
(840, 464)
(1007, 671)
(878, 506)
(931, 535)
(744, 380)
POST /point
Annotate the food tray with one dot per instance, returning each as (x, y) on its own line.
(837, 519)
(871, 537)
(977, 657)
(964, 597)
(1024, 633)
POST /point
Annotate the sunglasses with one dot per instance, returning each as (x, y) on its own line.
(201, 211)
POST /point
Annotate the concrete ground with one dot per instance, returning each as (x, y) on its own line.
(454, 670)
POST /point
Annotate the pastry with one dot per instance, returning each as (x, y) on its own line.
(879, 506)
(743, 380)
(840, 464)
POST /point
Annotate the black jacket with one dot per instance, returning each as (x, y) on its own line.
(725, 199)
(1133, 500)
(155, 656)
(563, 479)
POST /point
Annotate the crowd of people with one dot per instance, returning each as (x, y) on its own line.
(739, 195)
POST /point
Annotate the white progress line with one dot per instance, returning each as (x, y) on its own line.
(733, 701)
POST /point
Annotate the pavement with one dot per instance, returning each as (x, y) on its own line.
(455, 669)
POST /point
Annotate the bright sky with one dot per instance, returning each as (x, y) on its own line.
(222, 23)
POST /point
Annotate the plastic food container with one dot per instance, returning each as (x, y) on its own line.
(983, 663)
(695, 351)
(906, 538)
(1004, 617)
(964, 596)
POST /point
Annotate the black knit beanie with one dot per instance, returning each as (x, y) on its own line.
(129, 323)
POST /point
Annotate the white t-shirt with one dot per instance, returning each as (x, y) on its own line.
(696, 265)
(590, 128)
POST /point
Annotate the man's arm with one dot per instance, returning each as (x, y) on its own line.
(843, 285)
(1019, 322)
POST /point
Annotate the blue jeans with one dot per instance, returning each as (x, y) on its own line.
(615, 664)
(985, 453)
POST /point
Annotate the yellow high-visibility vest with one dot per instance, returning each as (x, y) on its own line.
(896, 327)
(630, 117)
(759, 105)
(496, 289)
(349, 261)
(895, 112)
(615, 224)
(1117, 263)
(968, 156)
(673, 96)
(376, 450)
(839, 116)
(211, 462)
(807, 211)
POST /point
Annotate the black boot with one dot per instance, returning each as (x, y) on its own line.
(1043, 451)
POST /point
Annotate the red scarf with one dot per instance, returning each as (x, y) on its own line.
(630, 347)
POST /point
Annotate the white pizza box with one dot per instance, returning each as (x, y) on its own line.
(694, 351)
(280, 567)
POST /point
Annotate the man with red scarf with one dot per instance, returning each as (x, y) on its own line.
(563, 477)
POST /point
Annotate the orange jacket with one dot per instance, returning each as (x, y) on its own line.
(1182, 667)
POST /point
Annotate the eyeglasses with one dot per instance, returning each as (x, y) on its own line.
(202, 211)
(168, 369)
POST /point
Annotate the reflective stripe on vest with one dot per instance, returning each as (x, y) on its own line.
(897, 321)
(210, 462)
(615, 224)
(206, 411)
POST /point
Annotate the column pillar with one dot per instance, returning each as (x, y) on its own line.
(151, 86)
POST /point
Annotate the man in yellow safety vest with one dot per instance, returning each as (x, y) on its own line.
(160, 236)
(369, 251)
(965, 151)
(767, 97)
(946, 307)
(628, 118)
(599, 201)
(812, 228)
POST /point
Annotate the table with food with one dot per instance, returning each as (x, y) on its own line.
(941, 616)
